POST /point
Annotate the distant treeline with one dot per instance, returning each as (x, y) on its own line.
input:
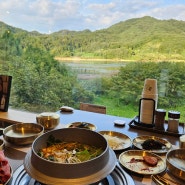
(141, 39)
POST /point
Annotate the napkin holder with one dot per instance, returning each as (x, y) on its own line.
(152, 112)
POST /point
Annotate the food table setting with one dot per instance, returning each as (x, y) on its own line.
(134, 162)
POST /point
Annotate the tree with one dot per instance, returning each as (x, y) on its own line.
(40, 81)
(127, 85)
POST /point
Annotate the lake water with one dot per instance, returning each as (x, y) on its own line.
(94, 69)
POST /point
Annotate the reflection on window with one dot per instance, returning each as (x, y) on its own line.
(42, 82)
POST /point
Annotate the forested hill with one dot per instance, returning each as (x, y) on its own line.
(146, 38)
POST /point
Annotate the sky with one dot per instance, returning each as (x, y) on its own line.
(48, 16)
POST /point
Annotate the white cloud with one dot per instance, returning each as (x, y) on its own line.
(170, 12)
(55, 15)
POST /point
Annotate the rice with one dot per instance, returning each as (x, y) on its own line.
(114, 142)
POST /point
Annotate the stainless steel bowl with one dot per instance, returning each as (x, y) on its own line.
(49, 120)
(175, 161)
(22, 133)
(88, 172)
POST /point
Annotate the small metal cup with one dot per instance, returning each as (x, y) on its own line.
(49, 120)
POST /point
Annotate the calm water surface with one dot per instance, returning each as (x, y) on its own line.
(94, 69)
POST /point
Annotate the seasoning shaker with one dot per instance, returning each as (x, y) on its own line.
(182, 141)
(159, 118)
(173, 121)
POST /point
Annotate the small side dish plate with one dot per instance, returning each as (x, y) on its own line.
(138, 141)
(133, 160)
(116, 140)
(11, 175)
(84, 125)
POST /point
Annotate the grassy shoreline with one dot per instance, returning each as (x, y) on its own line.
(77, 59)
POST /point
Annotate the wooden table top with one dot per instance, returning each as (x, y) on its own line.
(106, 122)
(103, 122)
(17, 116)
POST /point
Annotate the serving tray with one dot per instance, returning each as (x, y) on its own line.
(134, 123)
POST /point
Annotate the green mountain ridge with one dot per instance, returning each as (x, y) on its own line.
(150, 24)
(142, 39)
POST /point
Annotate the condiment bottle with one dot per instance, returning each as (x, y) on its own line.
(160, 119)
(182, 141)
(173, 121)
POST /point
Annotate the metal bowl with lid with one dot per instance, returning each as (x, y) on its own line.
(49, 120)
(55, 173)
(22, 133)
(175, 161)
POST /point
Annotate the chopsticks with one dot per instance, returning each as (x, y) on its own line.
(158, 181)
(167, 179)
(163, 180)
